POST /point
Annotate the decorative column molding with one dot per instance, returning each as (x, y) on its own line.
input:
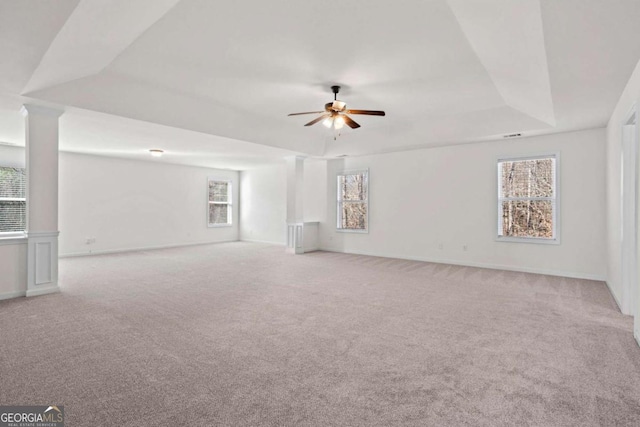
(295, 237)
(41, 137)
(295, 206)
(34, 109)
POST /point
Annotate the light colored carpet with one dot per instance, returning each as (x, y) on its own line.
(244, 334)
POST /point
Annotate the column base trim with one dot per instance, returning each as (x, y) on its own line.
(43, 291)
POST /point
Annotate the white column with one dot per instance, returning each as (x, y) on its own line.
(41, 126)
(295, 195)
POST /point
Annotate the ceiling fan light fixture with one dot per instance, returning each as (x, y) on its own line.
(328, 122)
(338, 122)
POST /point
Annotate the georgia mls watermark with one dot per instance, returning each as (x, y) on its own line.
(31, 416)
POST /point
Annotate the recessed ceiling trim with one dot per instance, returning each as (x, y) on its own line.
(508, 38)
(93, 36)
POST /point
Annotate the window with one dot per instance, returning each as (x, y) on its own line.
(353, 201)
(220, 212)
(527, 190)
(13, 202)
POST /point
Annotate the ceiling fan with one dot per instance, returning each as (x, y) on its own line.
(335, 114)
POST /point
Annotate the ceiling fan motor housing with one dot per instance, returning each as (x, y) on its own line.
(335, 106)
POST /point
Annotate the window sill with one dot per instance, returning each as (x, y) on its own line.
(12, 238)
(343, 230)
(534, 240)
(220, 225)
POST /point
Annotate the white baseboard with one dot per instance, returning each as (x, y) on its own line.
(263, 241)
(568, 274)
(13, 294)
(143, 248)
(572, 275)
(615, 298)
(43, 291)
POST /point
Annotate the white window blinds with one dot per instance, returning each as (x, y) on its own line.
(13, 202)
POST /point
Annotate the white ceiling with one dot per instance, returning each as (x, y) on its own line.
(212, 82)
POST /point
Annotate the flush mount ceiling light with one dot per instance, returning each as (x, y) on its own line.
(156, 152)
(335, 114)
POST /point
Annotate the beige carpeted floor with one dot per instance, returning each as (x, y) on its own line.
(243, 334)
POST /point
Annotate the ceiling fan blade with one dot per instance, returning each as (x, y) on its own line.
(310, 112)
(349, 122)
(314, 121)
(366, 112)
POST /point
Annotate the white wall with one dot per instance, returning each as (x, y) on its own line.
(13, 269)
(12, 156)
(315, 190)
(446, 196)
(129, 204)
(263, 200)
(629, 98)
(263, 204)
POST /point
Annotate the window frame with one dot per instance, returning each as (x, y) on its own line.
(339, 201)
(555, 240)
(7, 235)
(228, 203)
